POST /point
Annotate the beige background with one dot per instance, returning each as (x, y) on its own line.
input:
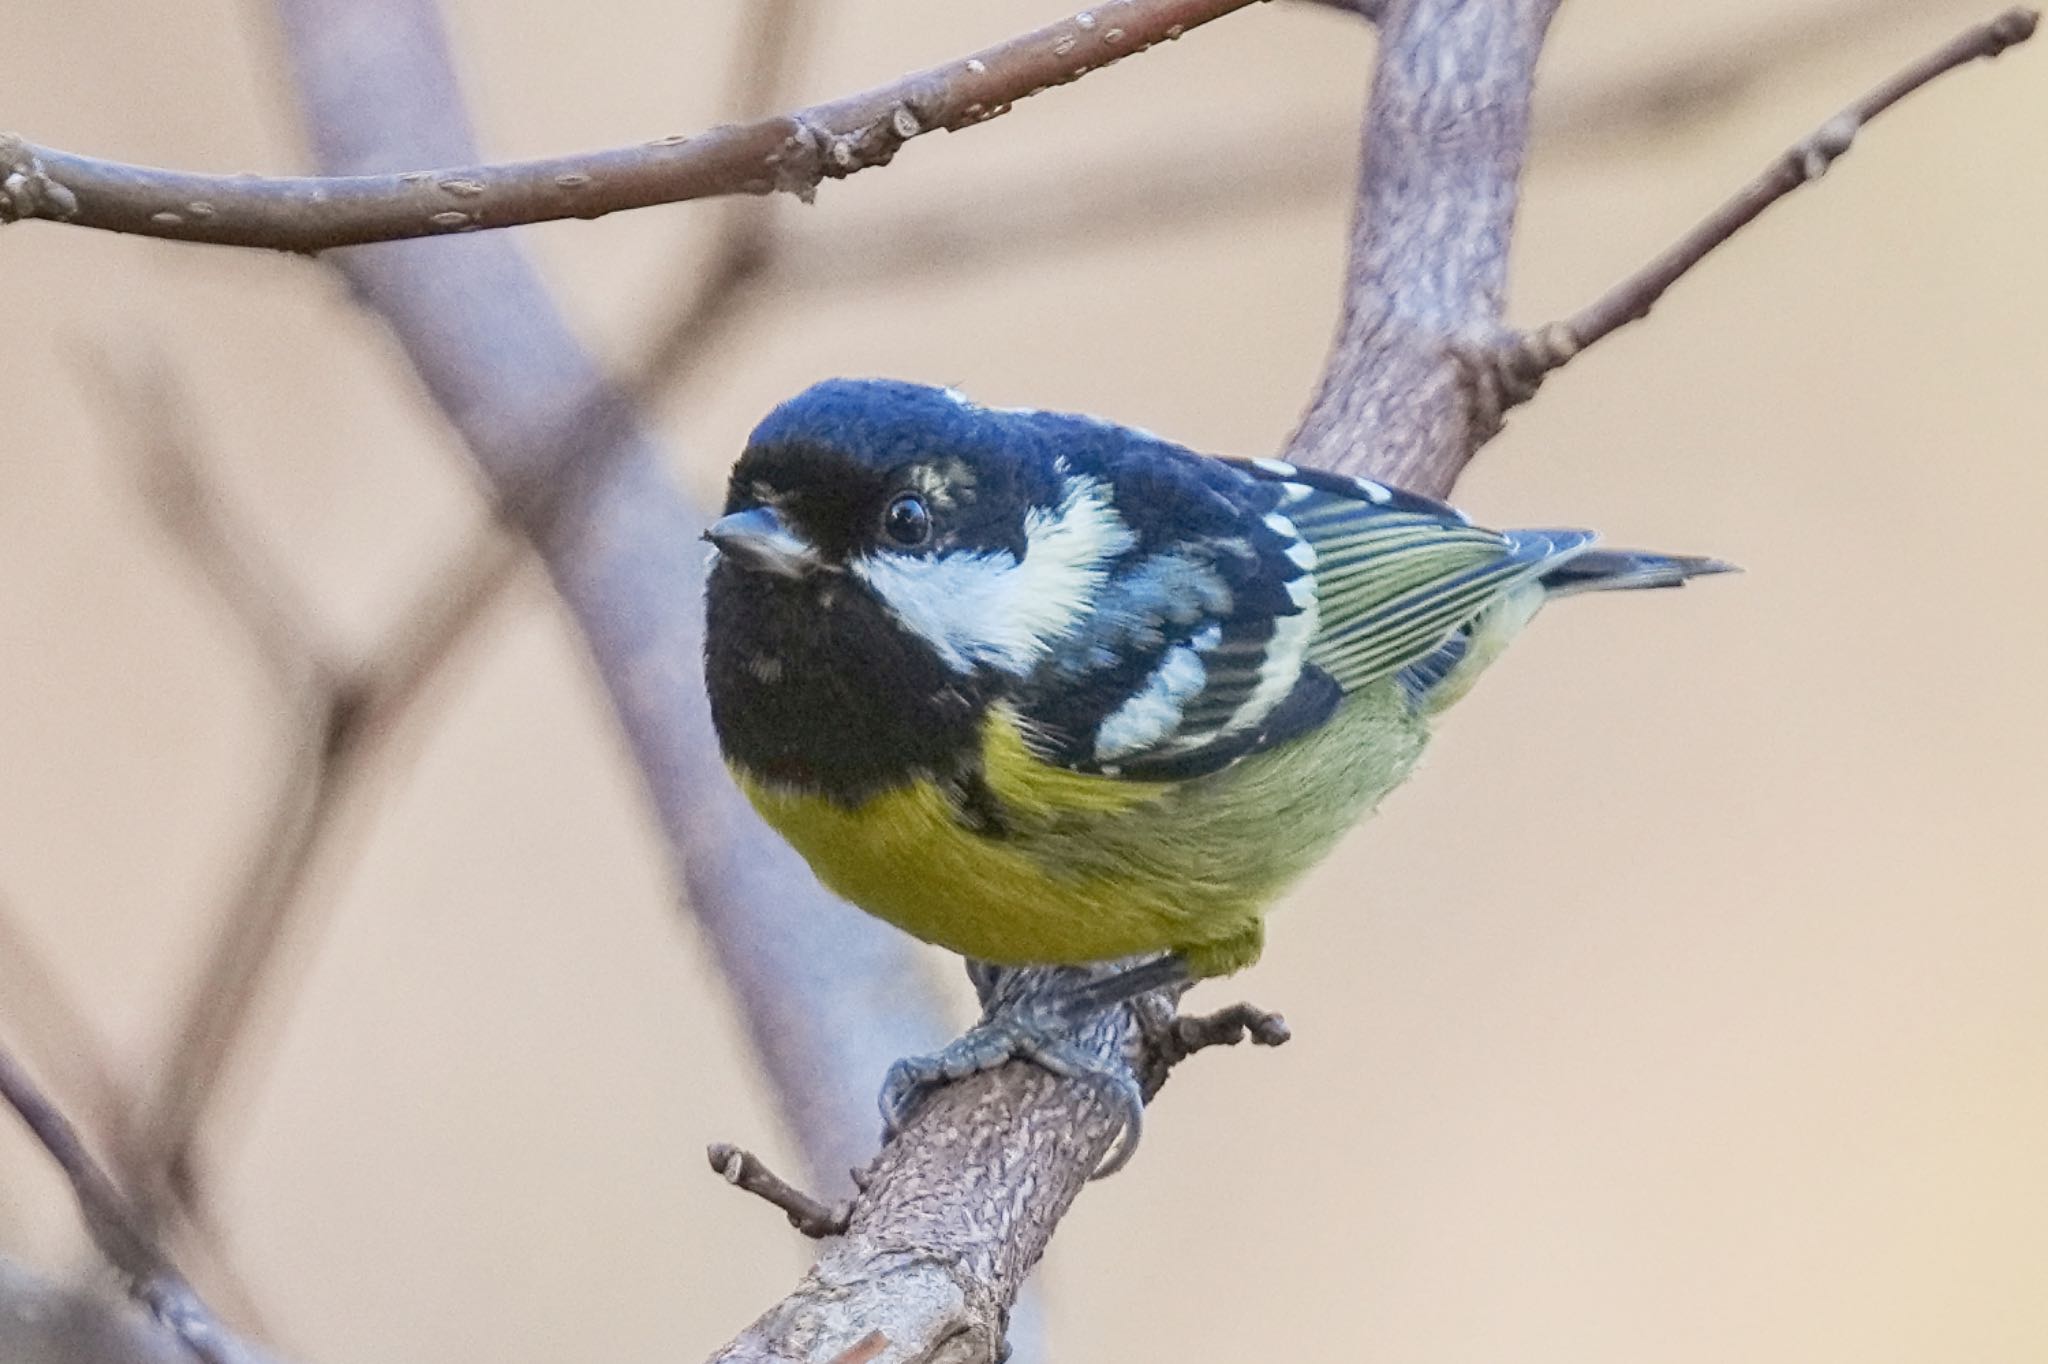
(1689, 1007)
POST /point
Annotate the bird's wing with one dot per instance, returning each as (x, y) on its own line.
(1259, 594)
(1399, 576)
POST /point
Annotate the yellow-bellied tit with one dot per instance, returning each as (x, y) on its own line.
(1042, 689)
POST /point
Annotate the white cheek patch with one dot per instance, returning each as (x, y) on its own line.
(993, 609)
(1155, 711)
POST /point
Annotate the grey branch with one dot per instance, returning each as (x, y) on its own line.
(1551, 347)
(791, 152)
(340, 717)
(42, 1322)
(118, 1231)
(1447, 131)
(829, 997)
(748, 1172)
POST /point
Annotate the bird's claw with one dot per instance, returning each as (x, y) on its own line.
(1048, 1040)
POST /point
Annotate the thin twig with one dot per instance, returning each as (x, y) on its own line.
(746, 1171)
(55, 1033)
(191, 509)
(1519, 366)
(343, 744)
(118, 1231)
(792, 152)
(1187, 1034)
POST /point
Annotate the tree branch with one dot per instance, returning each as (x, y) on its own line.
(1522, 363)
(1447, 132)
(791, 152)
(54, 1032)
(748, 1172)
(42, 1322)
(341, 718)
(119, 1232)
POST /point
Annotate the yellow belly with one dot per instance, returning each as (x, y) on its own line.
(1094, 868)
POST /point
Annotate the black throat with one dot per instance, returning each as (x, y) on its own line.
(814, 685)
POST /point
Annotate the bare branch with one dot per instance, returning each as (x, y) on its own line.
(340, 720)
(346, 727)
(188, 504)
(117, 1230)
(55, 1033)
(954, 1213)
(1227, 1027)
(792, 152)
(745, 1170)
(1446, 133)
(1247, 172)
(51, 1323)
(1524, 361)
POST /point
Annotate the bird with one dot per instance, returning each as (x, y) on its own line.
(1046, 690)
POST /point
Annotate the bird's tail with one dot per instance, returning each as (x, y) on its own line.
(1614, 570)
(1562, 562)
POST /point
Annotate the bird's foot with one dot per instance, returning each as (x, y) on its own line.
(1044, 1038)
(1047, 1027)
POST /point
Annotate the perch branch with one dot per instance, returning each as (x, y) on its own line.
(1508, 374)
(951, 1216)
(791, 152)
(118, 1231)
(1448, 129)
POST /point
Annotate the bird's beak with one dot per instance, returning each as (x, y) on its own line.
(758, 538)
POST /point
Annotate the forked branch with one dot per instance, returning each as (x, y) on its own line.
(1506, 375)
(118, 1230)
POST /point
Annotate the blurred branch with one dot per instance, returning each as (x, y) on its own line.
(1509, 374)
(42, 1322)
(55, 1033)
(828, 996)
(791, 152)
(119, 1232)
(340, 719)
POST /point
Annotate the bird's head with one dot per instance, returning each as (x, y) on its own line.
(972, 529)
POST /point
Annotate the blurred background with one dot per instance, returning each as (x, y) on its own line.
(1688, 1006)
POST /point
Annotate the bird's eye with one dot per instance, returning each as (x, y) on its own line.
(907, 521)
